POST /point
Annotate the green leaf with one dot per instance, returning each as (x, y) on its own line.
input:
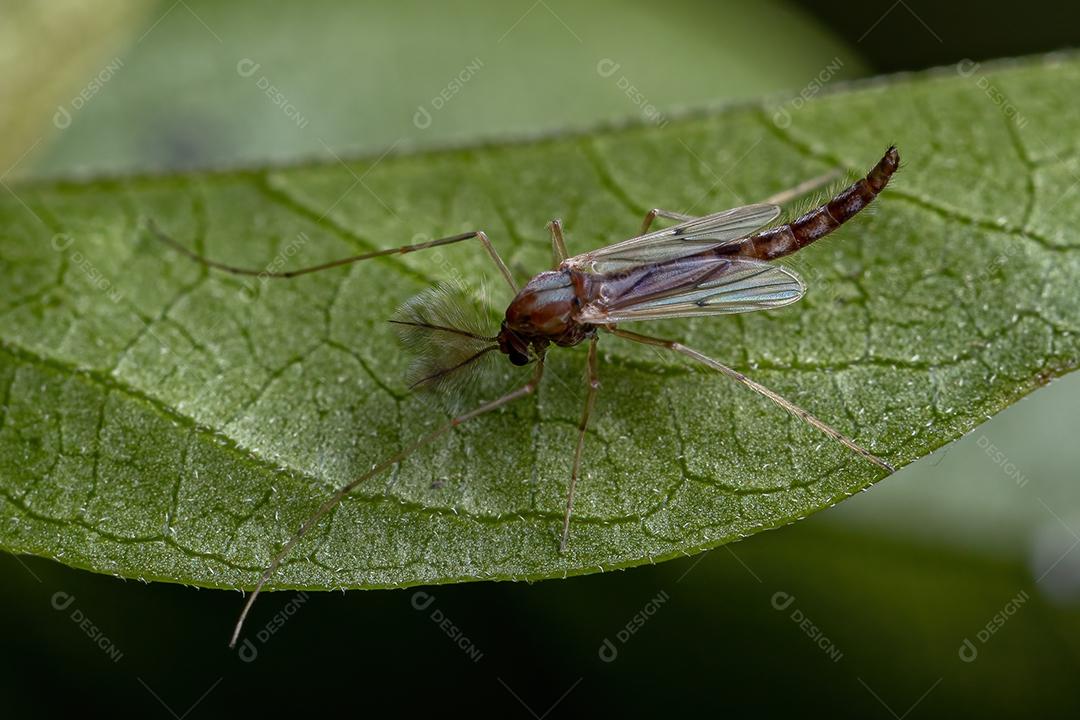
(159, 423)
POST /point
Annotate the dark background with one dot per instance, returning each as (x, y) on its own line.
(895, 580)
(917, 34)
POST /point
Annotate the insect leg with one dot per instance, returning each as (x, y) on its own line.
(263, 273)
(333, 501)
(758, 388)
(657, 212)
(590, 401)
(558, 245)
(785, 196)
(780, 198)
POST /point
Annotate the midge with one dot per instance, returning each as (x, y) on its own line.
(712, 265)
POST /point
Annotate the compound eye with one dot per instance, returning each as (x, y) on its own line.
(519, 359)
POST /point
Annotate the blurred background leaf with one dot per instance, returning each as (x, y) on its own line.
(50, 52)
(216, 84)
(896, 578)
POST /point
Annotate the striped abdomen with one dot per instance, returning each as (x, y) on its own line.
(819, 222)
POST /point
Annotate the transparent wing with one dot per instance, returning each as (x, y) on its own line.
(693, 287)
(686, 238)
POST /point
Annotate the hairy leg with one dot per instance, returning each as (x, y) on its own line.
(558, 245)
(335, 499)
(590, 401)
(780, 198)
(285, 274)
(758, 388)
(786, 196)
(657, 212)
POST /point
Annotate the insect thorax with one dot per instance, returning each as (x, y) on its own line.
(545, 310)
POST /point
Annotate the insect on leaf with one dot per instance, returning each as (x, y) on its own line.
(163, 421)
